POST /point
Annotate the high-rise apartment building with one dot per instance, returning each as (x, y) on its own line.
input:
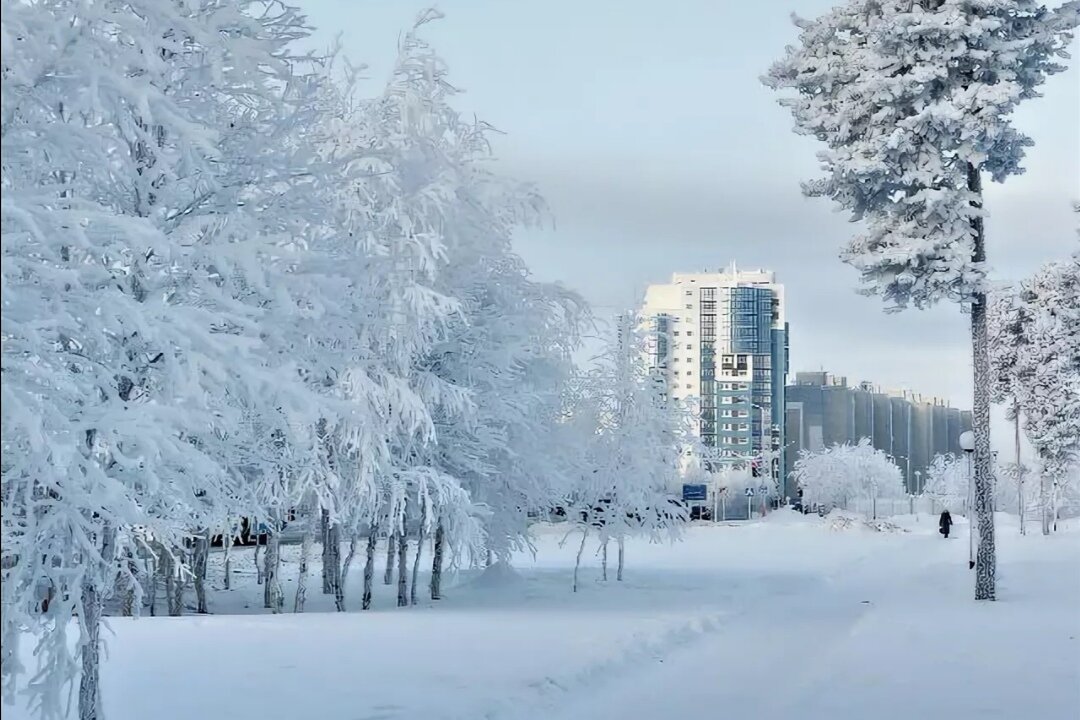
(722, 342)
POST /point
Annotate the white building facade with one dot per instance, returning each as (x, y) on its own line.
(721, 342)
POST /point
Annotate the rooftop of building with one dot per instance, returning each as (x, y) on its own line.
(822, 378)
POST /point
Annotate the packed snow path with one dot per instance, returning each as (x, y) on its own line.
(775, 620)
(890, 636)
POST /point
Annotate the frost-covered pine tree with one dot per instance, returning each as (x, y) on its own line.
(913, 99)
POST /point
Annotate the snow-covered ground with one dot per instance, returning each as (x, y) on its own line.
(789, 617)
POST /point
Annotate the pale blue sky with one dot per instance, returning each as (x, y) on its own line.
(646, 128)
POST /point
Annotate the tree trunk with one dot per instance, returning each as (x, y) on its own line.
(577, 562)
(332, 556)
(603, 560)
(152, 575)
(301, 577)
(1044, 505)
(419, 552)
(273, 598)
(90, 607)
(1019, 468)
(1056, 500)
(622, 558)
(258, 565)
(490, 558)
(90, 681)
(388, 574)
(131, 585)
(227, 541)
(403, 568)
(173, 568)
(437, 562)
(339, 581)
(200, 560)
(369, 566)
(324, 535)
(986, 557)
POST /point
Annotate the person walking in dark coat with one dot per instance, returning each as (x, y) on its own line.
(945, 523)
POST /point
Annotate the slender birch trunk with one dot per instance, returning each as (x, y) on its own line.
(603, 560)
(403, 568)
(388, 575)
(437, 562)
(174, 582)
(89, 680)
(1044, 505)
(986, 556)
(227, 541)
(339, 581)
(152, 575)
(131, 585)
(369, 566)
(1019, 468)
(622, 558)
(258, 565)
(1056, 499)
(200, 560)
(577, 562)
(90, 608)
(302, 573)
(324, 534)
(273, 597)
(419, 552)
(333, 556)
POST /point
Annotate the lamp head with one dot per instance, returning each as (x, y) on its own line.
(967, 441)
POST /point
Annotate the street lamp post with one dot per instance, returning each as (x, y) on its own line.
(967, 444)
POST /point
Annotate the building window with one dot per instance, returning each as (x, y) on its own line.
(689, 346)
(689, 306)
(689, 333)
(687, 386)
(689, 359)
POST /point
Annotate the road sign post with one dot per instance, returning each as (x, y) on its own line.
(749, 503)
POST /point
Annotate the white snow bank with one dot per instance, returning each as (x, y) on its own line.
(498, 575)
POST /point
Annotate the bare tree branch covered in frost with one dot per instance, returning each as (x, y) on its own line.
(913, 99)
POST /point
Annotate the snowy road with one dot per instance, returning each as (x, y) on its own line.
(885, 638)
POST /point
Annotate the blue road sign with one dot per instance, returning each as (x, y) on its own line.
(749, 492)
(695, 492)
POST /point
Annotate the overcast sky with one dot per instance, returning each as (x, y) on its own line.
(646, 128)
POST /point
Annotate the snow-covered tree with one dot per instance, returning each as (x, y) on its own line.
(841, 473)
(913, 99)
(632, 447)
(131, 354)
(1048, 376)
(947, 483)
(493, 381)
